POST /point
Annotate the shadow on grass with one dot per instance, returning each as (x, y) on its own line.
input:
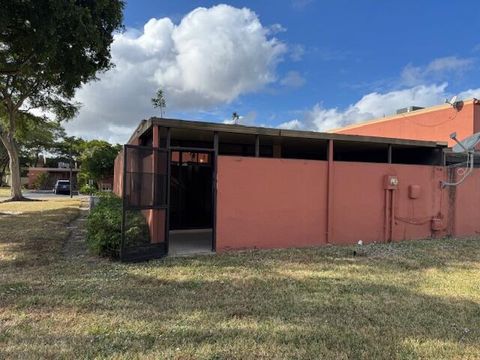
(308, 303)
(34, 238)
(312, 318)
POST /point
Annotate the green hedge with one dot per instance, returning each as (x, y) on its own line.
(88, 189)
(104, 227)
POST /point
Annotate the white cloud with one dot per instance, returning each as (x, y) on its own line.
(294, 124)
(297, 52)
(293, 79)
(248, 119)
(436, 70)
(301, 4)
(469, 94)
(373, 105)
(210, 58)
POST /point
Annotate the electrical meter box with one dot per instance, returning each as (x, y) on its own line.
(391, 182)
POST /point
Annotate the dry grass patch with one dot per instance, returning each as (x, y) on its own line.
(41, 205)
(4, 192)
(409, 300)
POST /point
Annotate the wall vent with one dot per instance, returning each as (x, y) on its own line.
(409, 109)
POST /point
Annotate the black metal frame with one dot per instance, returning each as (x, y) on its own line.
(153, 251)
(148, 251)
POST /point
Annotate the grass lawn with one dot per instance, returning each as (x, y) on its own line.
(4, 191)
(407, 301)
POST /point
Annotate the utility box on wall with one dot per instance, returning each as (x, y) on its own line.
(391, 182)
(414, 191)
(437, 224)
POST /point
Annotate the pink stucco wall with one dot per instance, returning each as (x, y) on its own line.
(466, 214)
(359, 203)
(432, 124)
(270, 203)
(278, 203)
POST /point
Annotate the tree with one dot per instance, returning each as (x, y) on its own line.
(98, 160)
(36, 137)
(49, 48)
(69, 148)
(235, 117)
(159, 102)
(3, 162)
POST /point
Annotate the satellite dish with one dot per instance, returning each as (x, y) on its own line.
(457, 105)
(452, 101)
(466, 145)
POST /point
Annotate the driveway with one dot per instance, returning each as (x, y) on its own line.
(46, 195)
(42, 195)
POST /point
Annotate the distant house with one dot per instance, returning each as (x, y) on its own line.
(47, 182)
(106, 184)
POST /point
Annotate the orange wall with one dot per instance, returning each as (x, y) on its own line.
(270, 203)
(278, 203)
(429, 124)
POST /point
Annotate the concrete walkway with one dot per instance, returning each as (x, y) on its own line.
(76, 245)
(190, 242)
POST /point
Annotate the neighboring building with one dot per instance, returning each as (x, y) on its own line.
(106, 184)
(50, 176)
(433, 124)
(208, 186)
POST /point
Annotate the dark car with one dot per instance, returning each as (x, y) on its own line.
(62, 187)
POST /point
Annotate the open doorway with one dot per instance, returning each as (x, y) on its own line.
(191, 203)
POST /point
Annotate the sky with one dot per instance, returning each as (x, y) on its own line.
(296, 64)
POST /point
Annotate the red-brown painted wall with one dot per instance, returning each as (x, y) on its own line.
(466, 200)
(278, 203)
(118, 174)
(359, 203)
(432, 124)
(270, 203)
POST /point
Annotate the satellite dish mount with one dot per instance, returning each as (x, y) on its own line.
(466, 147)
(457, 105)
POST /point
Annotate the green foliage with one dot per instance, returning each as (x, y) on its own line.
(41, 181)
(48, 49)
(104, 227)
(159, 101)
(51, 47)
(87, 189)
(98, 160)
(35, 136)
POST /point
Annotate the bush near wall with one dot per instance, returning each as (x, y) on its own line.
(104, 227)
(88, 189)
(41, 181)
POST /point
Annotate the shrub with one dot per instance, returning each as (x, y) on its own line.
(88, 189)
(104, 227)
(41, 181)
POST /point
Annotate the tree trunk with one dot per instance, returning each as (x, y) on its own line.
(2, 173)
(12, 149)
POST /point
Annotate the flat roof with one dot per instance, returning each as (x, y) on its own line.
(399, 116)
(53, 169)
(146, 125)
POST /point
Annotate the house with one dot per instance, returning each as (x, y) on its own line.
(44, 178)
(435, 123)
(215, 187)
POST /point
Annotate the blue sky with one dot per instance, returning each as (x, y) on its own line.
(307, 64)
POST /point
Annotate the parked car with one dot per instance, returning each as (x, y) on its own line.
(62, 187)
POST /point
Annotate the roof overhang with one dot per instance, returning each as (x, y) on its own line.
(146, 126)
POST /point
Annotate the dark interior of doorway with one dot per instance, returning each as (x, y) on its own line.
(191, 203)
